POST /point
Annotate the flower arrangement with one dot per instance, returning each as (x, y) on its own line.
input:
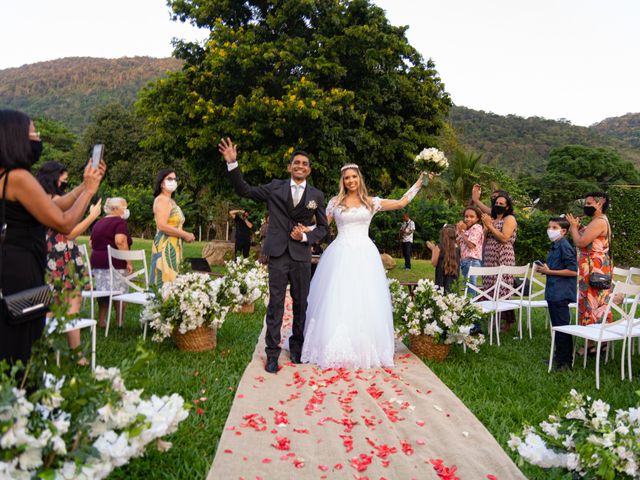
(448, 318)
(586, 439)
(190, 301)
(431, 160)
(246, 281)
(74, 428)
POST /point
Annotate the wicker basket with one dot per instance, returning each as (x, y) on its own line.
(201, 339)
(246, 308)
(424, 346)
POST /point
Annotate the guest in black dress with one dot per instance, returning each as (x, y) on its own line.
(28, 209)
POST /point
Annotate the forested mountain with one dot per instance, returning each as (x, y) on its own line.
(520, 145)
(70, 89)
(626, 127)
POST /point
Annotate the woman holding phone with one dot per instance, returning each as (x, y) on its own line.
(166, 251)
(28, 210)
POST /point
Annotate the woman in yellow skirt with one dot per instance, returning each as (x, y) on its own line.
(166, 252)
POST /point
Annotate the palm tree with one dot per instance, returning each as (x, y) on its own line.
(461, 175)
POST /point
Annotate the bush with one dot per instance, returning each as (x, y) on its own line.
(532, 242)
(623, 216)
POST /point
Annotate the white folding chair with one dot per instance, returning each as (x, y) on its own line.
(141, 294)
(489, 299)
(515, 294)
(78, 323)
(92, 294)
(603, 331)
(535, 299)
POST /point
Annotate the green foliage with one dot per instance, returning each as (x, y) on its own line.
(70, 89)
(574, 170)
(626, 127)
(333, 78)
(532, 242)
(521, 145)
(428, 214)
(461, 175)
(623, 215)
(58, 142)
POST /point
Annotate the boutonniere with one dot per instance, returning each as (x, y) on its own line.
(312, 205)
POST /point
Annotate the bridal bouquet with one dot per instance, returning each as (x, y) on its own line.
(190, 301)
(585, 438)
(76, 428)
(431, 160)
(245, 282)
(448, 318)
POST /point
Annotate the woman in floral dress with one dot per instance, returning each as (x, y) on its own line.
(65, 264)
(166, 251)
(500, 236)
(593, 242)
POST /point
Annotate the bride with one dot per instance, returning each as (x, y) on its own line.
(349, 317)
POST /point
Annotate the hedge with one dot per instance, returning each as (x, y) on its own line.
(625, 228)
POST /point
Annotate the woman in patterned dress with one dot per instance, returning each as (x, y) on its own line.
(501, 227)
(593, 242)
(166, 252)
(64, 261)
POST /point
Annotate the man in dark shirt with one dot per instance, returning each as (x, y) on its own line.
(561, 271)
(243, 231)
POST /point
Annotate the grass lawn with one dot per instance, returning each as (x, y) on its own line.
(503, 386)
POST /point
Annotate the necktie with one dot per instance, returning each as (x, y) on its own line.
(297, 193)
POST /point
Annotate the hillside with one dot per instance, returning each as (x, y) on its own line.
(520, 144)
(626, 127)
(69, 89)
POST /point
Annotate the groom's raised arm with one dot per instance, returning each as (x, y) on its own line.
(242, 188)
(322, 226)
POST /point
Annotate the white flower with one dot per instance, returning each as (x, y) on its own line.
(312, 205)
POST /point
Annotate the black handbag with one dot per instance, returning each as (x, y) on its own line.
(598, 280)
(26, 305)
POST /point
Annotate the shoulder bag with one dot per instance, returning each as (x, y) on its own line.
(598, 280)
(26, 305)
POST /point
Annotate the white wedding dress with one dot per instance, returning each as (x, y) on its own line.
(349, 318)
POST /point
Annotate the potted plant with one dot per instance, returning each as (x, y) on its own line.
(434, 320)
(188, 309)
(246, 281)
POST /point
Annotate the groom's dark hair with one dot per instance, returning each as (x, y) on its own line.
(299, 152)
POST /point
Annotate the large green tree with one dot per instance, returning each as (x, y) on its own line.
(574, 170)
(330, 76)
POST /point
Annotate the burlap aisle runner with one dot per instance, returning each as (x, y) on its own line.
(400, 423)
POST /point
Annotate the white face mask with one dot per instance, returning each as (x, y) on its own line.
(170, 185)
(125, 215)
(554, 234)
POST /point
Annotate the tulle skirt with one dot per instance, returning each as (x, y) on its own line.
(349, 318)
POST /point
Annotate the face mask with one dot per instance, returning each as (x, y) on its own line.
(497, 210)
(63, 186)
(589, 210)
(36, 150)
(554, 234)
(125, 215)
(170, 185)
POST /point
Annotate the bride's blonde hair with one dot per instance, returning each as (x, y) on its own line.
(362, 194)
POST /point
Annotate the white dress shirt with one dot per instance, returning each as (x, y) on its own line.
(234, 165)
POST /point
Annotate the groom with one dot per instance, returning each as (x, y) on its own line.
(292, 205)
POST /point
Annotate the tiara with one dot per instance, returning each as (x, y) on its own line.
(348, 166)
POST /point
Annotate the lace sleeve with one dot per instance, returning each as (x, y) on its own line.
(330, 207)
(377, 204)
(412, 192)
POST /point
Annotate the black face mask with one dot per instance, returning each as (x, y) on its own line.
(498, 210)
(63, 186)
(36, 150)
(589, 210)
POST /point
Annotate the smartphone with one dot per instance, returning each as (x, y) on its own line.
(538, 263)
(96, 156)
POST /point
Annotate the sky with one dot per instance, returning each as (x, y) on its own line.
(572, 59)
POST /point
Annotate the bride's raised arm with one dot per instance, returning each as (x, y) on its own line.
(388, 204)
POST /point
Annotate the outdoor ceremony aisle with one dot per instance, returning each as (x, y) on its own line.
(400, 423)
